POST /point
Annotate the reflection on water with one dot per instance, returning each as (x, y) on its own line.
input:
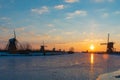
(91, 66)
(105, 56)
(92, 58)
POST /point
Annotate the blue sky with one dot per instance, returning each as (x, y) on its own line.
(61, 22)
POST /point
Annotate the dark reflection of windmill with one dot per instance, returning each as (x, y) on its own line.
(12, 44)
(110, 45)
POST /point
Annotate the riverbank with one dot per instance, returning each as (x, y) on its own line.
(110, 76)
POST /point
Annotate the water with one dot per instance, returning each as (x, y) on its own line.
(79, 66)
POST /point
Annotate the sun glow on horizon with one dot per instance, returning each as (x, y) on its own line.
(92, 47)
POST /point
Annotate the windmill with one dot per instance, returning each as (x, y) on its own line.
(12, 44)
(110, 45)
(42, 49)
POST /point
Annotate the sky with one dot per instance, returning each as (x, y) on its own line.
(61, 23)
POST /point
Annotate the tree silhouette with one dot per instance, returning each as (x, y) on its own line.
(71, 50)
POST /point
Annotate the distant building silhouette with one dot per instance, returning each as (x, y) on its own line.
(53, 49)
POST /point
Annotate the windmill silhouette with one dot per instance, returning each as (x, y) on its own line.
(42, 49)
(12, 44)
(110, 45)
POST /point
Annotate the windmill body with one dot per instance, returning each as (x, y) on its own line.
(12, 44)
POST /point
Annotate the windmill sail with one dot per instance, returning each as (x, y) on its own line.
(108, 38)
(14, 34)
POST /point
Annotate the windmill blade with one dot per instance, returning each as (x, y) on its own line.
(14, 34)
(103, 43)
(19, 45)
(108, 38)
(7, 46)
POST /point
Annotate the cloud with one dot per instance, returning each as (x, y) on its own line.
(42, 10)
(69, 33)
(59, 7)
(101, 10)
(76, 13)
(105, 15)
(20, 29)
(5, 18)
(117, 12)
(111, 0)
(94, 24)
(5, 21)
(53, 30)
(12, 1)
(4, 29)
(50, 25)
(100, 1)
(71, 1)
(44, 37)
(57, 38)
(94, 40)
